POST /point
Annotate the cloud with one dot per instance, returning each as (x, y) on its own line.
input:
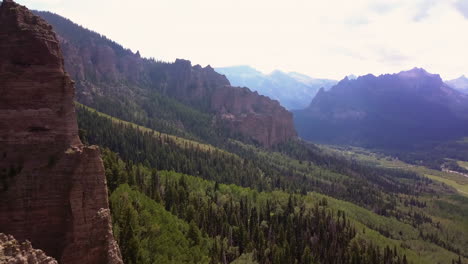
(393, 57)
(423, 9)
(384, 7)
(462, 7)
(357, 21)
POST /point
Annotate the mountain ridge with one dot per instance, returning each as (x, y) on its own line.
(293, 90)
(106, 73)
(461, 84)
(415, 105)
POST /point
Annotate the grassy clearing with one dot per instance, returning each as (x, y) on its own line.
(402, 236)
(455, 180)
(462, 189)
(463, 164)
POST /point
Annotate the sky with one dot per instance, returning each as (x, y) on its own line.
(320, 38)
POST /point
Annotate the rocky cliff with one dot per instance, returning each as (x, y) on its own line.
(104, 69)
(249, 113)
(241, 110)
(52, 188)
(14, 252)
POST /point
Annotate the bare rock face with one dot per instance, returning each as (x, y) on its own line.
(52, 188)
(253, 115)
(193, 83)
(14, 252)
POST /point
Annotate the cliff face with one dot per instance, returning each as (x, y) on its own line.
(249, 113)
(192, 84)
(103, 68)
(52, 188)
(243, 111)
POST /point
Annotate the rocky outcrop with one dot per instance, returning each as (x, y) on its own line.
(192, 84)
(241, 110)
(52, 188)
(254, 115)
(14, 252)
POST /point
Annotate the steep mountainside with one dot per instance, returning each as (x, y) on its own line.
(460, 84)
(52, 188)
(171, 97)
(392, 110)
(293, 90)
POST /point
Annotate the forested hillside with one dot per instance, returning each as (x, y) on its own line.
(276, 208)
(177, 98)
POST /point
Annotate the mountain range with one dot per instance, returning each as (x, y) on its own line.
(461, 84)
(386, 111)
(293, 90)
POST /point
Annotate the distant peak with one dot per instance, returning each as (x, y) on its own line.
(416, 73)
(415, 70)
(344, 80)
(278, 73)
(462, 77)
(351, 77)
(182, 61)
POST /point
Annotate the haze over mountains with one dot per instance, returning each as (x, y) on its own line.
(391, 110)
(293, 90)
(460, 84)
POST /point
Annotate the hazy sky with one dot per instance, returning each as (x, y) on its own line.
(321, 38)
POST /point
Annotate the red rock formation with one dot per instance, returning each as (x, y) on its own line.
(52, 188)
(14, 252)
(192, 84)
(253, 115)
(103, 68)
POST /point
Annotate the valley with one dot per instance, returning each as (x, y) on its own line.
(379, 228)
(112, 157)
